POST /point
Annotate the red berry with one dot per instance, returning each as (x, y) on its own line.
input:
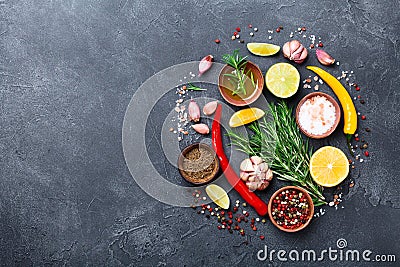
(363, 117)
(366, 153)
(219, 227)
(238, 29)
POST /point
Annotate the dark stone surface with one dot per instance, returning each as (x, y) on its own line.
(68, 70)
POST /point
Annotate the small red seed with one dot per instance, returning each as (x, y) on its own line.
(357, 88)
(320, 44)
(357, 139)
(278, 29)
(217, 41)
(363, 117)
(366, 153)
(235, 33)
(238, 29)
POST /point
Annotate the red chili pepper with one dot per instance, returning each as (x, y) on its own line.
(260, 206)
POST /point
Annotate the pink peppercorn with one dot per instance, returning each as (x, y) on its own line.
(366, 153)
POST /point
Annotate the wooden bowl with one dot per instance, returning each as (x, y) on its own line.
(310, 204)
(185, 175)
(237, 101)
(337, 111)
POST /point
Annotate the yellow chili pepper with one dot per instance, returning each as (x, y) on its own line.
(349, 111)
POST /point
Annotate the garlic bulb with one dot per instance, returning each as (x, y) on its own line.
(294, 50)
(324, 58)
(194, 111)
(256, 173)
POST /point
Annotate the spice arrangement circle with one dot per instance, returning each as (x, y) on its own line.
(273, 138)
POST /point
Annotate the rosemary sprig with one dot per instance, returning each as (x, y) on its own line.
(194, 87)
(238, 77)
(280, 143)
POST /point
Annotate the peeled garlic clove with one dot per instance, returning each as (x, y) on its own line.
(294, 45)
(256, 159)
(247, 166)
(324, 58)
(205, 64)
(252, 178)
(194, 111)
(210, 108)
(201, 128)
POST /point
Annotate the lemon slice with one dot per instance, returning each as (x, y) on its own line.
(329, 166)
(245, 116)
(263, 49)
(282, 80)
(218, 195)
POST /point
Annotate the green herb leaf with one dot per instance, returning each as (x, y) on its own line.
(194, 87)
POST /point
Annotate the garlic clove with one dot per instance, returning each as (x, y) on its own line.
(251, 185)
(244, 176)
(294, 45)
(324, 58)
(263, 185)
(210, 108)
(256, 159)
(269, 175)
(201, 128)
(252, 178)
(194, 111)
(261, 167)
(286, 50)
(205, 64)
(247, 166)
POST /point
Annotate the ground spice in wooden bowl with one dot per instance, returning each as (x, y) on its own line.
(198, 163)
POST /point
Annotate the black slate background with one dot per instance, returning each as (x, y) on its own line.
(67, 72)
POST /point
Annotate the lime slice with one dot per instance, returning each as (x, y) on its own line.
(282, 80)
(245, 116)
(263, 49)
(218, 195)
(329, 166)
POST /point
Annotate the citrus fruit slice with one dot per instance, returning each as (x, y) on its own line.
(245, 116)
(329, 166)
(218, 195)
(263, 49)
(282, 80)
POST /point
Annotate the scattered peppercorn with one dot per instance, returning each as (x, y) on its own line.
(278, 29)
(312, 46)
(238, 29)
(303, 29)
(262, 237)
(357, 88)
(366, 153)
(320, 44)
(362, 101)
(217, 41)
(363, 117)
(367, 130)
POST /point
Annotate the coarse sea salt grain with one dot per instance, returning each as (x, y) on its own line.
(317, 115)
